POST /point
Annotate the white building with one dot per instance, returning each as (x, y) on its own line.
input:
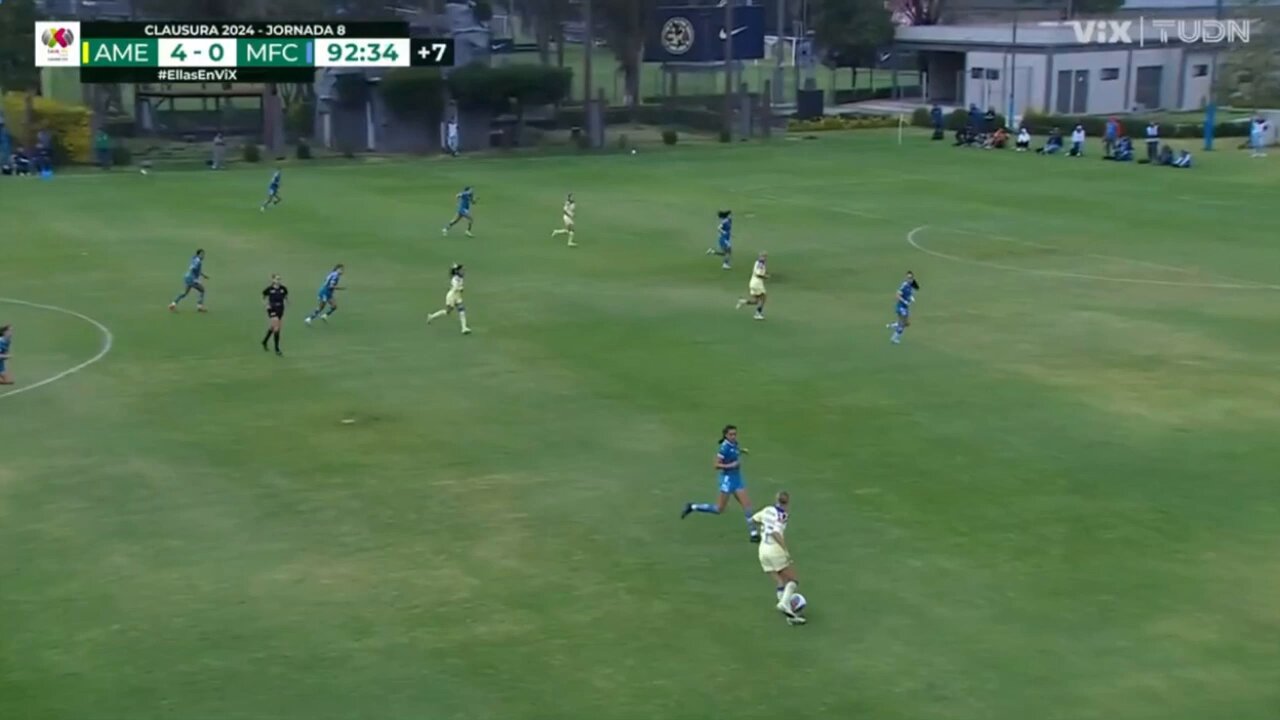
(1048, 68)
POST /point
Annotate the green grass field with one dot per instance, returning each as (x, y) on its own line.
(1055, 500)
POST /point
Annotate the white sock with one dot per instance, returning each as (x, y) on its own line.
(462, 318)
(787, 591)
(436, 314)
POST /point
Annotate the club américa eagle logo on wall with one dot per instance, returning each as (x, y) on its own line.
(677, 35)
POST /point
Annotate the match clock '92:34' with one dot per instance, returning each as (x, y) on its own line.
(351, 52)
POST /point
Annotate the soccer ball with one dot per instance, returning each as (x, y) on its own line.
(798, 603)
(633, 152)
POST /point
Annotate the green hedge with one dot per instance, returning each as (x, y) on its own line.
(479, 87)
(414, 93)
(1094, 126)
(687, 117)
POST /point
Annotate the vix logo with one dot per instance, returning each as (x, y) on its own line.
(1102, 32)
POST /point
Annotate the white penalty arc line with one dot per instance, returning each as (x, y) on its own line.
(911, 240)
(107, 341)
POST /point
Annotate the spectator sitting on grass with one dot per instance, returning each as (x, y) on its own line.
(989, 121)
(997, 140)
(1023, 142)
(1122, 151)
(965, 136)
(1183, 160)
(1077, 142)
(1165, 156)
(21, 162)
(1053, 145)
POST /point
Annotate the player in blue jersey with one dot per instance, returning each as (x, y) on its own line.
(466, 199)
(191, 281)
(906, 296)
(6, 339)
(728, 465)
(724, 246)
(273, 192)
(326, 296)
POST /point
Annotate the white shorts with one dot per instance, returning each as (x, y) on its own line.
(773, 558)
(756, 287)
(453, 299)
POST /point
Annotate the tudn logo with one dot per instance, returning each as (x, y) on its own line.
(59, 38)
(677, 36)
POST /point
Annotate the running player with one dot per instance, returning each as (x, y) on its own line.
(569, 207)
(466, 199)
(273, 192)
(195, 273)
(728, 464)
(755, 289)
(453, 299)
(775, 558)
(906, 296)
(275, 296)
(327, 295)
(6, 339)
(724, 247)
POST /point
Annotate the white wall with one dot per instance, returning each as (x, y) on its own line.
(1105, 96)
(1027, 81)
(1195, 94)
(1168, 58)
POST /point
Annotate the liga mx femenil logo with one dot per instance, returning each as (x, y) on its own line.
(677, 36)
(55, 38)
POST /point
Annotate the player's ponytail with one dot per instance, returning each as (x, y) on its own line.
(724, 434)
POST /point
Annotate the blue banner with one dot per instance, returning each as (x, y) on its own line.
(698, 35)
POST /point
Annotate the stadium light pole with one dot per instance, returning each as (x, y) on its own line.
(589, 38)
(728, 67)
(1013, 73)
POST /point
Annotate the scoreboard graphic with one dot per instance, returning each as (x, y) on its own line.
(178, 52)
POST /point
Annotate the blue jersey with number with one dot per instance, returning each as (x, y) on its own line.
(465, 198)
(330, 284)
(274, 187)
(731, 478)
(195, 270)
(726, 233)
(906, 292)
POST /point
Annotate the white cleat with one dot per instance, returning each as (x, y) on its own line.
(307, 321)
(758, 317)
(466, 331)
(795, 620)
(741, 302)
(711, 251)
(573, 244)
(444, 232)
(469, 234)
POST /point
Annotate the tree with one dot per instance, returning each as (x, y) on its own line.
(1248, 74)
(17, 23)
(547, 18)
(623, 25)
(850, 31)
(918, 12)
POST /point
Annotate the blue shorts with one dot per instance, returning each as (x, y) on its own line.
(325, 296)
(2, 362)
(726, 247)
(464, 212)
(273, 191)
(190, 281)
(730, 484)
(903, 310)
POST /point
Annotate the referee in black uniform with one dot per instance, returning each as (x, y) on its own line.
(276, 296)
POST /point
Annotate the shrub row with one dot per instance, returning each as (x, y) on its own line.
(842, 122)
(687, 117)
(1094, 126)
(420, 92)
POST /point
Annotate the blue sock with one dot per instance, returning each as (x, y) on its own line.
(706, 508)
(201, 300)
(781, 588)
(751, 527)
(314, 313)
(331, 311)
(179, 298)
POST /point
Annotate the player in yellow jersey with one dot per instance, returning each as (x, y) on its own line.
(775, 557)
(569, 207)
(453, 299)
(755, 289)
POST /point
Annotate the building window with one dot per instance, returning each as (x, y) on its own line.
(1110, 74)
(976, 73)
(993, 74)
(1199, 70)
